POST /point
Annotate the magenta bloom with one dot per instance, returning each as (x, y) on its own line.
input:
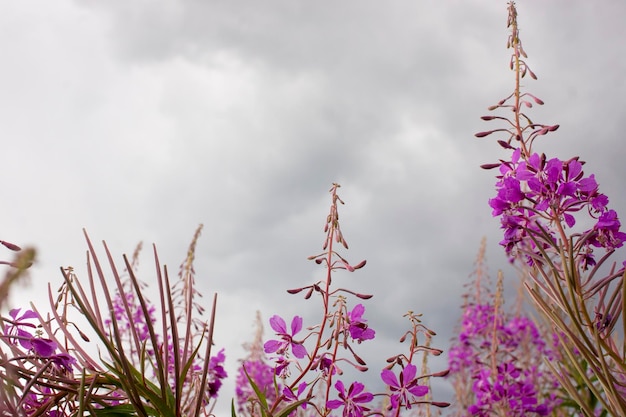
(352, 400)
(358, 328)
(43, 347)
(64, 361)
(17, 328)
(216, 373)
(401, 389)
(286, 339)
(291, 397)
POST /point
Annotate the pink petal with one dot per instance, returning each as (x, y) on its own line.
(278, 324)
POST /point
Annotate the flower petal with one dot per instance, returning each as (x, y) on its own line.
(296, 325)
(278, 324)
(389, 378)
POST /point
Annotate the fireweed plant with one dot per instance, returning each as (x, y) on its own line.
(153, 359)
(558, 226)
(308, 367)
(493, 361)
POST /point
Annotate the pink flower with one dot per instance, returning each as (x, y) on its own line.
(401, 389)
(286, 339)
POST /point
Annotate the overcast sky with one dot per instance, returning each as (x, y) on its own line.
(139, 120)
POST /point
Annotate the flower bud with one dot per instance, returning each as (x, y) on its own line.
(10, 246)
(358, 359)
(490, 166)
(483, 134)
(360, 264)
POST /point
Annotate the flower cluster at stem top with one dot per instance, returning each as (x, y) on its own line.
(536, 195)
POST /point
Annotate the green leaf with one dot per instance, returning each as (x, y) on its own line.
(120, 410)
(291, 408)
(261, 396)
(232, 408)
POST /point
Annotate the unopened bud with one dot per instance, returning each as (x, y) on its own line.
(505, 144)
(360, 264)
(358, 359)
(521, 51)
(83, 336)
(537, 100)
(10, 246)
(489, 166)
(483, 134)
(308, 294)
(295, 290)
(364, 296)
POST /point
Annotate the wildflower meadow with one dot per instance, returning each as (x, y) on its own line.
(119, 339)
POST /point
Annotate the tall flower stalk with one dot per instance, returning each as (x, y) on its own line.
(558, 226)
(310, 366)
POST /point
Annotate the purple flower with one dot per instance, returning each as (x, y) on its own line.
(291, 397)
(286, 339)
(216, 373)
(325, 364)
(351, 400)
(400, 389)
(64, 361)
(357, 325)
(281, 368)
(43, 347)
(16, 328)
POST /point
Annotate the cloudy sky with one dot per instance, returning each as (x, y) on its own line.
(139, 120)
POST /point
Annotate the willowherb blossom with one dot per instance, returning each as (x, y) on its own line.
(509, 388)
(534, 193)
(18, 325)
(357, 326)
(405, 388)
(352, 400)
(290, 397)
(217, 373)
(497, 360)
(286, 339)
